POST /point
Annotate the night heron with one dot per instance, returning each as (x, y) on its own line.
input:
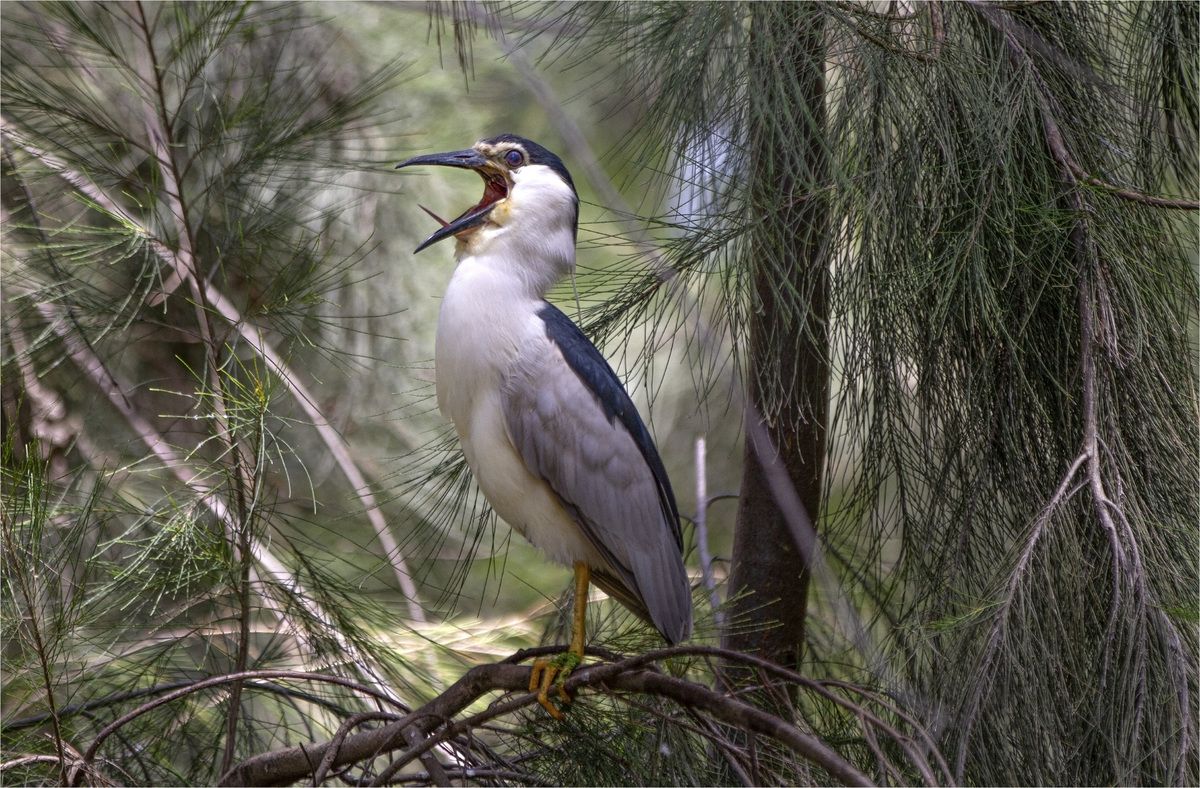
(549, 432)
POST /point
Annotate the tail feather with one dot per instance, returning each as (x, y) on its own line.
(663, 597)
(665, 590)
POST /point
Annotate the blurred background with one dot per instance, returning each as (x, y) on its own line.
(222, 453)
(218, 377)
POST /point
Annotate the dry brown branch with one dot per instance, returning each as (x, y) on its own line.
(288, 765)
(419, 732)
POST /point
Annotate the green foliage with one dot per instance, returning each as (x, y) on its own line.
(1000, 310)
(179, 183)
(194, 245)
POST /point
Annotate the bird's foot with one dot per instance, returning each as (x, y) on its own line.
(547, 673)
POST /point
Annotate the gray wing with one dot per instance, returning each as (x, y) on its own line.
(569, 417)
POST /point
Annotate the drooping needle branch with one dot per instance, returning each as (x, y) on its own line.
(329, 434)
(104, 379)
(1130, 581)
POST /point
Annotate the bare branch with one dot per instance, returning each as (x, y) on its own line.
(284, 766)
(29, 760)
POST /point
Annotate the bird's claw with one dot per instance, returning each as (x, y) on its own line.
(553, 672)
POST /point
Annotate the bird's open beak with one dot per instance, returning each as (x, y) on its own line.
(495, 189)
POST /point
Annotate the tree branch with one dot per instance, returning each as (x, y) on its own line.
(216, 681)
(29, 760)
(706, 559)
(418, 732)
(329, 435)
(1127, 567)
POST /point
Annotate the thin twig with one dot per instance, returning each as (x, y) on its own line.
(338, 737)
(90, 753)
(804, 534)
(1132, 195)
(21, 575)
(427, 758)
(589, 650)
(702, 502)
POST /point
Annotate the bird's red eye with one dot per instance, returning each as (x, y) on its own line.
(514, 158)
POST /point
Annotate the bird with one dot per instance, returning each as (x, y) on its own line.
(549, 432)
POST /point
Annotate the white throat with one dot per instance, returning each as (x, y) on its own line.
(530, 235)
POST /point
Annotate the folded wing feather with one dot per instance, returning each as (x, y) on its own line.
(570, 419)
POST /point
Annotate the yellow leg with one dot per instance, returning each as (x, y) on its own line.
(544, 671)
(583, 576)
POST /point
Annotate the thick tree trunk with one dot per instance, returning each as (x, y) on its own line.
(787, 364)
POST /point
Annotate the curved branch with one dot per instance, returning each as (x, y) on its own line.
(217, 681)
(288, 765)
(29, 760)
(342, 732)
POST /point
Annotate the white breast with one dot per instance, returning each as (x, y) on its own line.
(487, 317)
(483, 323)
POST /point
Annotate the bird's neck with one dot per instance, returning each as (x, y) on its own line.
(525, 262)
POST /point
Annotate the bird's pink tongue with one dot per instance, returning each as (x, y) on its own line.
(436, 218)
